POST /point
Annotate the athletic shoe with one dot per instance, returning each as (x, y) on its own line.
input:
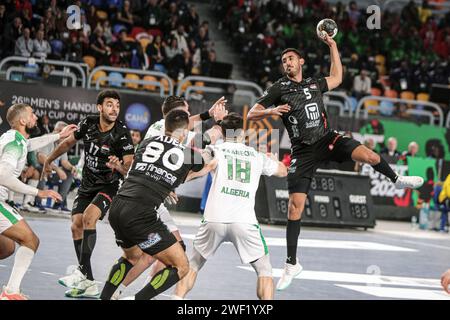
(33, 209)
(289, 273)
(412, 182)
(72, 280)
(5, 295)
(128, 298)
(84, 289)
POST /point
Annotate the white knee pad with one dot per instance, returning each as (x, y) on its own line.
(262, 266)
(196, 261)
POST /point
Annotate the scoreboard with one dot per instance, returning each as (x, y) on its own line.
(336, 198)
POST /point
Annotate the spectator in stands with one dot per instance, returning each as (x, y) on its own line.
(30, 175)
(207, 65)
(122, 50)
(391, 149)
(44, 125)
(41, 47)
(12, 32)
(74, 50)
(192, 19)
(24, 44)
(136, 137)
(361, 85)
(181, 36)
(413, 149)
(195, 54)
(107, 32)
(125, 16)
(155, 51)
(100, 50)
(154, 15)
(3, 18)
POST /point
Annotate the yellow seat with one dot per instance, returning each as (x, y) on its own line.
(102, 15)
(409, 95)
(150, 87)
(165, 83)
(185, 86)
(423, 96)
(195, 71)
(99, 74)
(131, 85)
(90, 61)
(368, 104)
(144, 43)
(381, 69)
(199, 84)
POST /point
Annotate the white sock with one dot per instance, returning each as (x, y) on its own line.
(22, 261)
(175, 297)
(10, 196)
(28, 198)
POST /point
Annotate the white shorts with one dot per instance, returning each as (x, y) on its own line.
(246, 238)
(166, 218)
(8, 216)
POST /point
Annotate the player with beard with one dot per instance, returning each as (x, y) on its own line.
(299, 103)
(109, 151)
(14, 148)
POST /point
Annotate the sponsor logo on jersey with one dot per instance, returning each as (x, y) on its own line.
(137, 116)
(293, 120)
(313, 86)
(153, 238)
(281, 194)
(285, 83)
(312, 113)
(105, 149)
(128, 147)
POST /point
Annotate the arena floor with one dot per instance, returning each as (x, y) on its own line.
(388, 262)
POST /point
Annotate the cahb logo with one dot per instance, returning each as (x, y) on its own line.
(137, 117)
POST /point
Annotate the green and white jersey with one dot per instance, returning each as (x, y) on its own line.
(159, 129)
(235, 181)
(13, 151)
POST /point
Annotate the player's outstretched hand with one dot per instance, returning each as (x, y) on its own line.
(328, 40)
(445, 281)
(272, 156)
(279, 110)
(222, 101)
(114, 163)
(49, 194)
(220, 112)
(68, 130)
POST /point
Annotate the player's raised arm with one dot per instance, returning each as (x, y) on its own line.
(207, 114)
(335, 77)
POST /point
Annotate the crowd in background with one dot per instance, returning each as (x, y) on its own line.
(415, 43)
(159, 35)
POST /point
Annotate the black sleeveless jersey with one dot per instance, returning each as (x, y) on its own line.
(161, 164)
(98, 146)
(307, 122)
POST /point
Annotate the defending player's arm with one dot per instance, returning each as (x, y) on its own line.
(335, 77)
(210, 164)
(70, 139)
(205, 115)
(214, 133)
(271, 97)
(8, 162)
(272, 166)
(42, 141)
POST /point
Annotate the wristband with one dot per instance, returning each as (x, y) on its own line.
(205, 115)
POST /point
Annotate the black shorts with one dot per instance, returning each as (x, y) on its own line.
(138, 224)
(307, 158)
(101, 198)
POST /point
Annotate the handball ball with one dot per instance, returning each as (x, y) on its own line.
(326, 26)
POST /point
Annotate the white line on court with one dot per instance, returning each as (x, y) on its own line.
(399, 293)
(368, 279)
(331, 244)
